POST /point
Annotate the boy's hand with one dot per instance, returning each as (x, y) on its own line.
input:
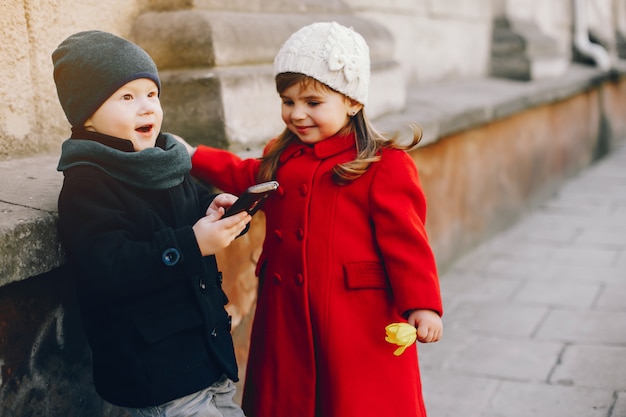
(428, 323)
(214, 233)
(223, 200)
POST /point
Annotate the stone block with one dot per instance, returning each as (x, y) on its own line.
(593, 366)
(612, 298)
(521, 51)
(202, 38)
(192, 106)
(563, 293)
(606, 327)
(278, 6)
(464, 9)
(29, 244)
(511, 359)
(500, 319)
(217, 72)
(514, 399)
(620, 405)
(471, 394)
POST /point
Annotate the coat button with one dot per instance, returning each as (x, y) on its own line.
(170, 256)
(214, 333)
(299, 279)
(277, 278)
(202, 285)
(220, 278)
(278, 234)
(303, 189)
(300, 234)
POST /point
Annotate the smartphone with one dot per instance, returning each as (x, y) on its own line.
(252, 199)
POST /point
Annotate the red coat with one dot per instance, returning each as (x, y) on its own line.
(339, 263)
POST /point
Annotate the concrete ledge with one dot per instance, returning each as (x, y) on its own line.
(28, 200)
(445, 109)
(28, 242)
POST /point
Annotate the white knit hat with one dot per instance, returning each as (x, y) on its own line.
(332, 54)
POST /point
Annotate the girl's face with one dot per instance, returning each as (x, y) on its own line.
(314, 112)
(133, 113)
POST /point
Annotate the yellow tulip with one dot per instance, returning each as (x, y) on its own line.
(401, 334)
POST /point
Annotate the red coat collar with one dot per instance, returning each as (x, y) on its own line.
(322, 150)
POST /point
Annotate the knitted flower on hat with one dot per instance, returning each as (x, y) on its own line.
(330, 53)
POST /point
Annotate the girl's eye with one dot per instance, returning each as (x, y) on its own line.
(288, 102)
(127, 97)
(152, 94)
(313, 103)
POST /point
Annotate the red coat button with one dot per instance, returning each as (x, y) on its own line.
(299, 279)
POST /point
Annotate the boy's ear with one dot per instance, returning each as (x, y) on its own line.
(88, 125)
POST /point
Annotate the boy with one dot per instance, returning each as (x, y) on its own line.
(140, 237)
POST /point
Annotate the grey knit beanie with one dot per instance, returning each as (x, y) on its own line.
(90, 66)
(330, 53)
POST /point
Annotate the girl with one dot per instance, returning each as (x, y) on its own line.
(345, 252)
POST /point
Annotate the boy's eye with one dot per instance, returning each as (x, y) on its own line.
(152, 94)
(288, 102)
(313, 103)
(127, 97)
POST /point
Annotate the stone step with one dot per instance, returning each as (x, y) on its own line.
(217, 73)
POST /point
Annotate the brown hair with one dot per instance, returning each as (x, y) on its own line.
(368, 140)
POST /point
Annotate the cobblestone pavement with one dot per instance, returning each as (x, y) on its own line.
(535, 318)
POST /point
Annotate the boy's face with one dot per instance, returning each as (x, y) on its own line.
(133, 112)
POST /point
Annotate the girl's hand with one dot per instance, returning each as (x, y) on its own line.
(214, 233)
(223, 200)
(428, 323)
(190, 149)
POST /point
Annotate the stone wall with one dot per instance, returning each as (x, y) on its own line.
(430, 41)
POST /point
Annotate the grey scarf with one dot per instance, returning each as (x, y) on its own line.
(153, 168)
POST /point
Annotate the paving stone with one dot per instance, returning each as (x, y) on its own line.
(585, 255)
(535, 321)
(592, 366)
(610, 235)
(506, 358)
(519, 268)
(545, 226)
(584, 273)
(524, 249)
(452, 395)
(474, 287)
(584, 326)
(558, 293)
(438, 355)
(619, 409)
(514, 399)
(495, 319)
(612, 297)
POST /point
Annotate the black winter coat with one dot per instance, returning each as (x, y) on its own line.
(152, 305)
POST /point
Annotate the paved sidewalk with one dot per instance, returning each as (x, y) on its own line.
(535, 320)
